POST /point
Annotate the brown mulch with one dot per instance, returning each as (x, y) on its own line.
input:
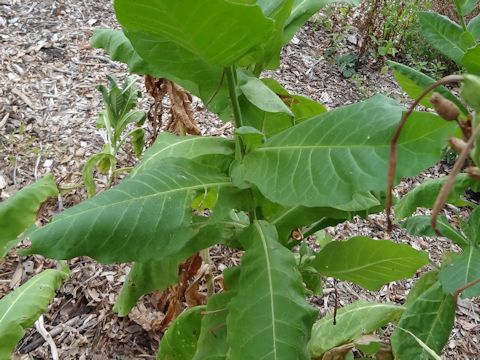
(48, 109)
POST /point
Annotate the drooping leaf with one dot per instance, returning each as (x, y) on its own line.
(169, 145)
(137, 138)
(104, 162)
(474, 27)
(145, 218)
(421, 226)
(145, 278)
(269, 317)
(180, 340)
(20, 211)
(424, 195)
(430, 318)
(352, 322)
(302, 11)
(21, 308)
(117, 45)
(471, 60)
(368, 262)
(443, 34)
(413, 82)
(462, 271)
(317, 164)
(173, 21)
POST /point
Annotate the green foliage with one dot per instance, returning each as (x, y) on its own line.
(291, 165)
(368, 262)
(119, 112)
(21, 308)
(430, 318)
(20, 211)
(352, 322)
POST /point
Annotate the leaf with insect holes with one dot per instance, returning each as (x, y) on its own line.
(20, 211)
(443, 34)
(180, 340)
(368, 262)
(146, 217)
(352, 322)
(413, 82)
(22, 307)
(318, 164)
(430, 318)
(269, 317)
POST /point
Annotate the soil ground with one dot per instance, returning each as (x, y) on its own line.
(48, 109)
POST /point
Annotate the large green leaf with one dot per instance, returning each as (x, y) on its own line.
(425, 282)
(169, 145)
(471, 60)
(413, 82)
(218, 32)
(21, 308)
(20, 211)
(422, 226)
(317, 163)
(430, 318)
(145, 218)
(443, 34)
(368, 262)
(352, 321)
(180, 340)
(472, 228)
(269, 317)
(462, 271)
(424, 195)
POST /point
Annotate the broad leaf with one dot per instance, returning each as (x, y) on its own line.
(471, 60)
(250, 136)
(413, 82)
(20, 211)
(194, 26)
(212, 342)
(474, 27)
(424, 195)
(466, 6)
(425, 282)
(430, 318)
(119, 48)
(145, 218)
(368, 262)
(352, 322)
(169, 145)
(317, 164)
(269, 317)
(472, 228)
(462, 271)
(443, 34)
(180, 340)
(21, 308)
(421, 226)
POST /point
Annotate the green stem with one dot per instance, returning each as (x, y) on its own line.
(237, 114)
(462, 19)
(476, 149)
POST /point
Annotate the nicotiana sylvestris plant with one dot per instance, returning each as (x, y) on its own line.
(291, 164)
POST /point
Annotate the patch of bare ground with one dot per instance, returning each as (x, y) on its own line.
(48, 109)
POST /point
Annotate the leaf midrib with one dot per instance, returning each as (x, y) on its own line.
(354, 269)
(270, 286)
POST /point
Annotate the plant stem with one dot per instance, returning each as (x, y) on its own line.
(237, 114)
(460, 16)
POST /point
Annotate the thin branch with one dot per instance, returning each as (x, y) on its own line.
(39, 325)
(217, 90)
(392, 163)
(457, 292)
(447, 187)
